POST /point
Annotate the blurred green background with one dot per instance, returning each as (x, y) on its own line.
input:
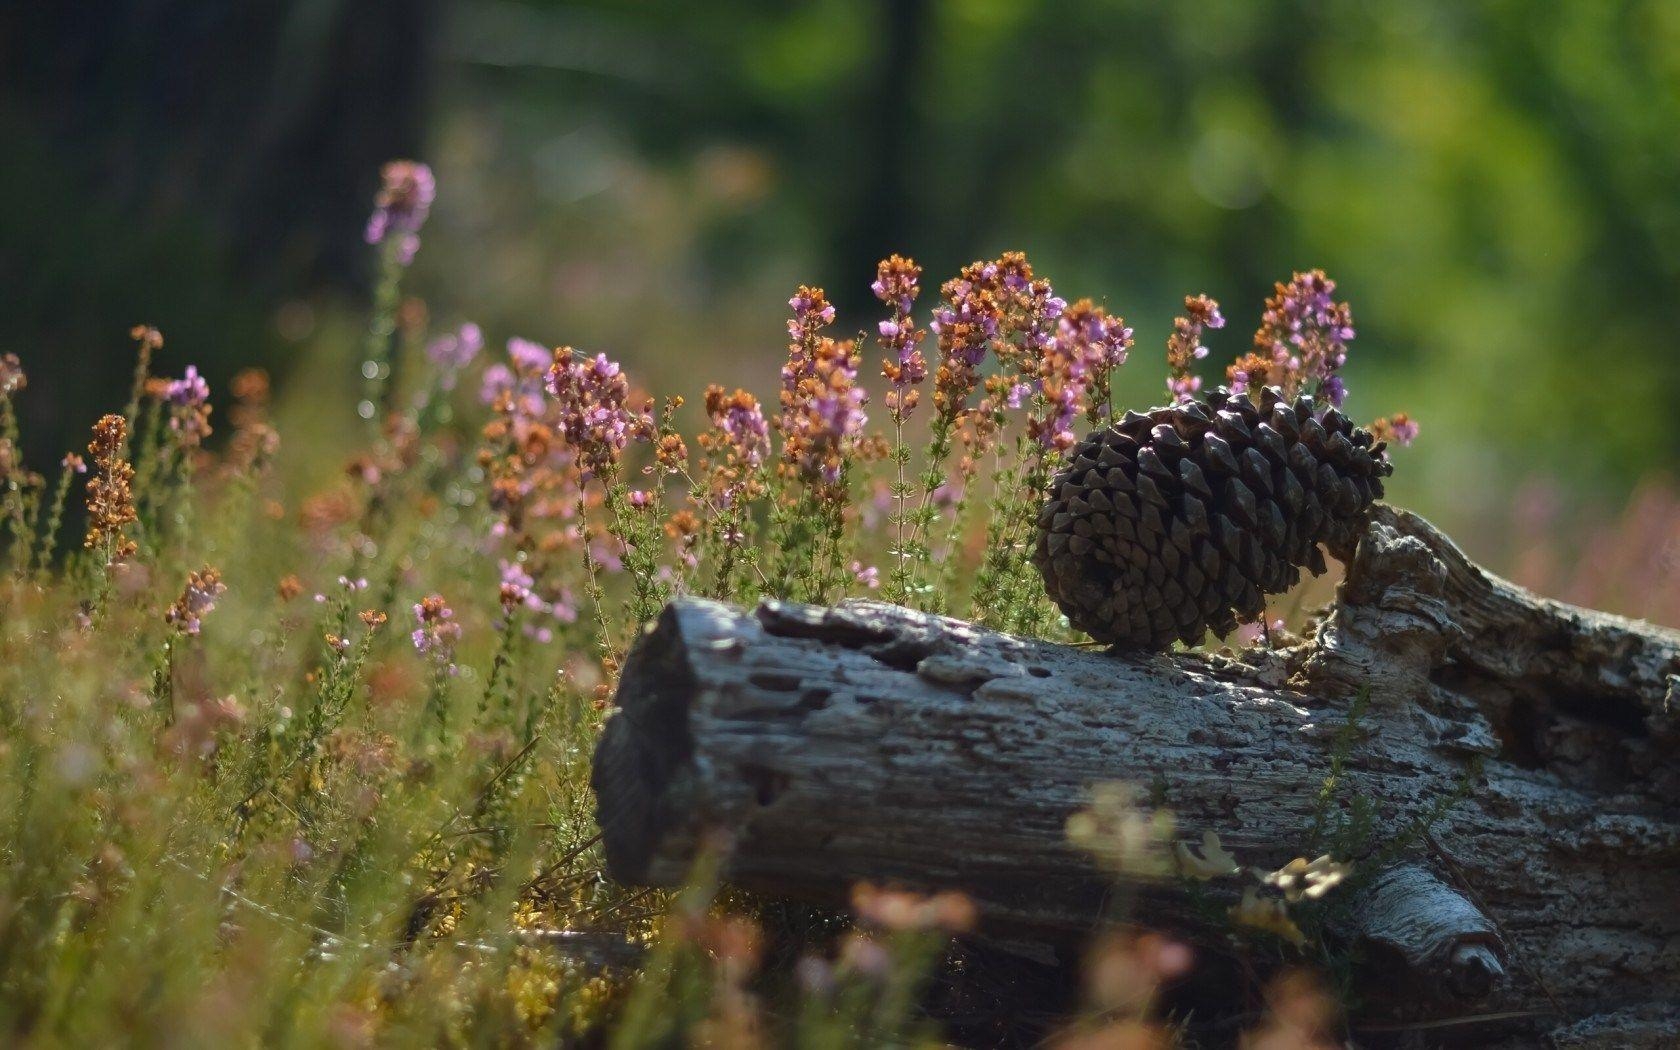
(1495, 186)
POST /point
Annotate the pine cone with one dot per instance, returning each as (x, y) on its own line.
(1180, 520)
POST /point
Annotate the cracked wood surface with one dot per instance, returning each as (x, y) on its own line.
(873, 742)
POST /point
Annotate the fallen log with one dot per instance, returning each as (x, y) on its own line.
(1515, 755)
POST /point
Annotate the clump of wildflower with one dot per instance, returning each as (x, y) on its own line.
(110, 499)
(189, 407)
(734, 451)
(436, 631)
(452, 352)
(147, 338)
(822, 411)
(516, 387)
(733, 456)
(1088, 345)
(518, 590)
(1248, 373)
(197, 599)
(811, 311)
(897, 283)
(1185, 345)
(1029, 314)
(522, 457)
(1031, 306)
(822, 405)
(595, 416)
(516, 587)
(254, 440)
(1400, 428)
(1302, 339)
(1109, 342)
(866, 575)
(965, 325)
(401, 207)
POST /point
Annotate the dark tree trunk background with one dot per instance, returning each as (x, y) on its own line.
(272, 116)
(186, 164)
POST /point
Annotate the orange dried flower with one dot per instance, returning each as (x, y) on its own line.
(197, 599)
(110, 499)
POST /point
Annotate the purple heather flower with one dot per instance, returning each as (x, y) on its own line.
(868, 575)
(965, 322)
(196, 601)
(189, 407)
(454, 351)
(1399, 428)
(520, 381)
(822, 407)
(897, 283)
(1336, 390)
(436, 631)
(190, 389)
(528, 356)
(1085, 347)
(737, 446)
(1183, 388)
(515, 587)
(498, 381)
(564, 607)
(594, 415)
(810, 306)
(401, 207)
(1305, 332)
(1185, 345)
(742, 422)
(1251, 633)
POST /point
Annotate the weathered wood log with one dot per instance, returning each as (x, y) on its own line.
(1518, 755)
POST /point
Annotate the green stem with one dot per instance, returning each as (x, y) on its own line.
(376, 362)
(131, 411)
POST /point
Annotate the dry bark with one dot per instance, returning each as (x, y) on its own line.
(1518, 755)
